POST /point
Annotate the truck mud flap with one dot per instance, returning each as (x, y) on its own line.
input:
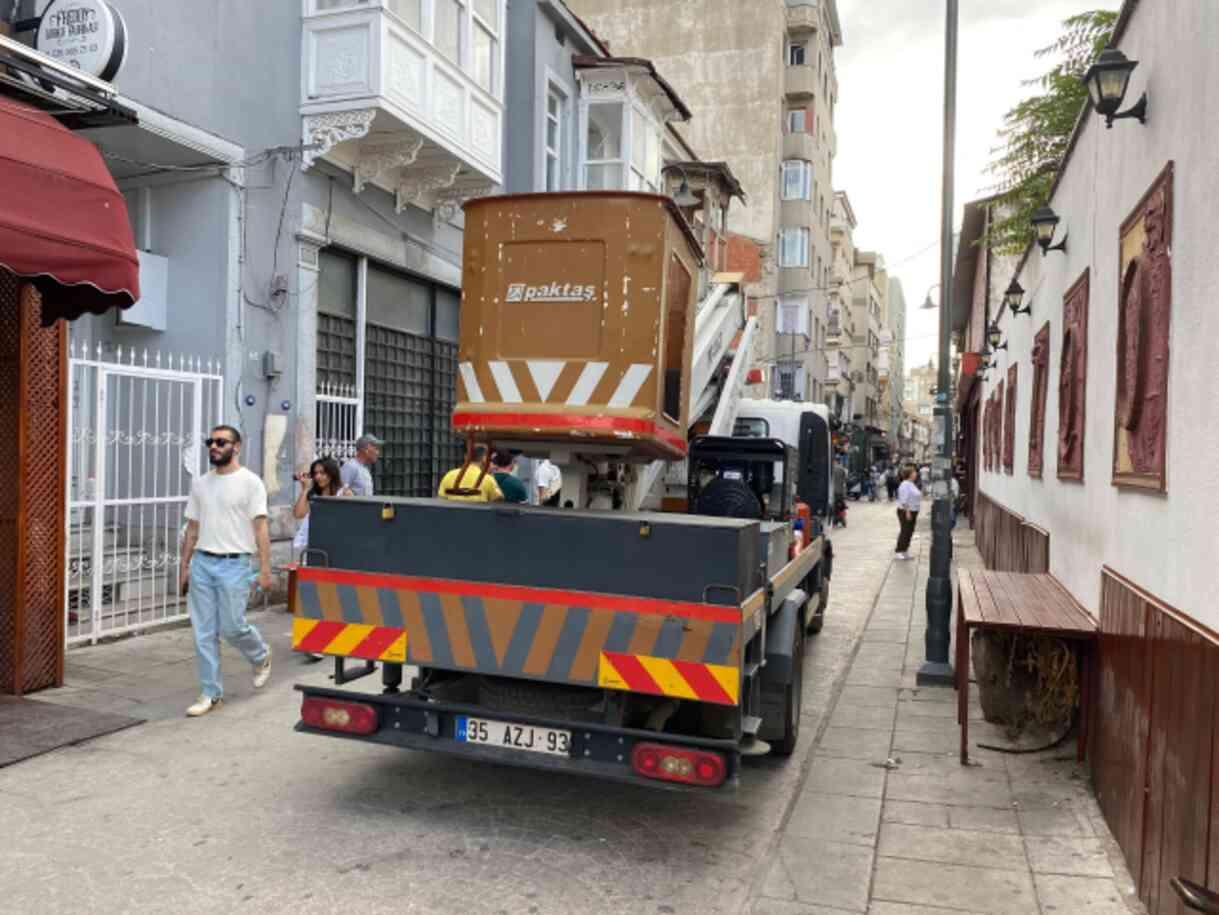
(596, 750)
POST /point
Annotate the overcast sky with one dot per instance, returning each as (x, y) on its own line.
(890, 122)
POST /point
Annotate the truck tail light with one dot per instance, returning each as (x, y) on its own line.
(335, 715)
(678, 764)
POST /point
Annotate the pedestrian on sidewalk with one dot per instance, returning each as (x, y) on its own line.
(322, 479)
(472, 482)
(909, 498)
(503, 466)
(356, 474)
(891, 481)
(226, 525)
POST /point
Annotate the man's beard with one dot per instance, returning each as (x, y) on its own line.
(220, 460)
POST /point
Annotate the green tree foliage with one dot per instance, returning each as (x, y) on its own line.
(1034, 136)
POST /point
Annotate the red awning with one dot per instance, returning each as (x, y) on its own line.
(63, 223)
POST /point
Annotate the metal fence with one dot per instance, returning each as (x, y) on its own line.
(136, 426)
(340, 417)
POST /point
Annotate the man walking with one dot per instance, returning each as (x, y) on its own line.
(226, 524)
(356, 473)
(503, 467)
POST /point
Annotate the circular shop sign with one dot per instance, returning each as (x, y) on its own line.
(89, 35)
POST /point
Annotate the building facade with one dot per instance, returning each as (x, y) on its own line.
(893, 359)
(766, 69)
(840, 329)
(1099, 424)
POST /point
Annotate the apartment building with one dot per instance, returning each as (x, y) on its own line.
(892, 365)
(840, 328)
(760, 80)
(869, 290)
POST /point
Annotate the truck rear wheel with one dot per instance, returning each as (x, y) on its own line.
(793, 697)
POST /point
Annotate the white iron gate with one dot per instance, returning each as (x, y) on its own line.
(340, 415)
(136, 427)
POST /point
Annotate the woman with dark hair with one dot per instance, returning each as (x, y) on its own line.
(322, 479)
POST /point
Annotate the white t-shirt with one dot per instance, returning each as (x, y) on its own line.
(908, 496)
(548, 478)
(225, 505)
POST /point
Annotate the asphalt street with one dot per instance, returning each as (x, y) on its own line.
(236, 811)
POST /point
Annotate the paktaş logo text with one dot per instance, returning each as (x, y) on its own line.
(551, 292)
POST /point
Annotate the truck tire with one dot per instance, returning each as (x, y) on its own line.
(728, 499)
(823, 601)
(793, 698)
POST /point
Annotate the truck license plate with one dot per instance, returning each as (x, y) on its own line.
(514, 736)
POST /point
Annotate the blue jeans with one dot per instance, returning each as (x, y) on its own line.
(217, 599)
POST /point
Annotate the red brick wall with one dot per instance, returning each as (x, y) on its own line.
(744, 256)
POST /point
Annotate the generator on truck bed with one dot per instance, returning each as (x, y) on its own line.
(641, 646)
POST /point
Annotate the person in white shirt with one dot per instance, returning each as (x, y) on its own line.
(548, 480)
(909, 499)
(226, 525)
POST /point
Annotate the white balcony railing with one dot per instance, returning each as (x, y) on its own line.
(380, 98)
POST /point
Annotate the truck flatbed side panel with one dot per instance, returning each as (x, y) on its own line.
(682, 558)
(685, 650)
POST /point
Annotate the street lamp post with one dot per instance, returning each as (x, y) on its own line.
(936, 670)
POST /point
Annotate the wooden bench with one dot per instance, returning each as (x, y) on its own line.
(1027, 604)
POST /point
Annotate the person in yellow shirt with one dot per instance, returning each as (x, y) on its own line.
(465, 487)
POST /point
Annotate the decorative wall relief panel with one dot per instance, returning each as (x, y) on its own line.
(1144, 323)
(1041, 372)
(997, 447)
(1009, 421)
(1073, 380)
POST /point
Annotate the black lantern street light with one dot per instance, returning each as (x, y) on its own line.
(1013, 298)
(1108, 80)
(1045, 221)
(994, 336)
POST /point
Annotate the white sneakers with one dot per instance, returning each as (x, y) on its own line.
(262, 672)
(203, 705)
(901, 555)
(206, 703)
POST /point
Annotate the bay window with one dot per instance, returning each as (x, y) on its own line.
(622, 148)
(603, 146)
(446, 19)
(797, 180)
(484, 37)
(409, 11)
(793, 247)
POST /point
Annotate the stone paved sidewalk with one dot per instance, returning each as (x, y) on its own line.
(888, 822)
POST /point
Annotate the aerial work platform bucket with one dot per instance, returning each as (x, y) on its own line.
(577, 323)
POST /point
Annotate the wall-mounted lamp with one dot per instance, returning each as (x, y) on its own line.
(1013, 298)
(928, 304)
(994, 336)
(1108, 80)
(684, 198)
(1045, 221)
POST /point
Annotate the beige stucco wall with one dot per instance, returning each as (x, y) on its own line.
(725, 59)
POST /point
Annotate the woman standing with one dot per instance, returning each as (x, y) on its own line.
(908, 500)
(321, 480)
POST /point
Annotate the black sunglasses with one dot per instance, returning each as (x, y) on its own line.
(218, 442)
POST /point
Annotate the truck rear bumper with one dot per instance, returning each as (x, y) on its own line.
(597, 750)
